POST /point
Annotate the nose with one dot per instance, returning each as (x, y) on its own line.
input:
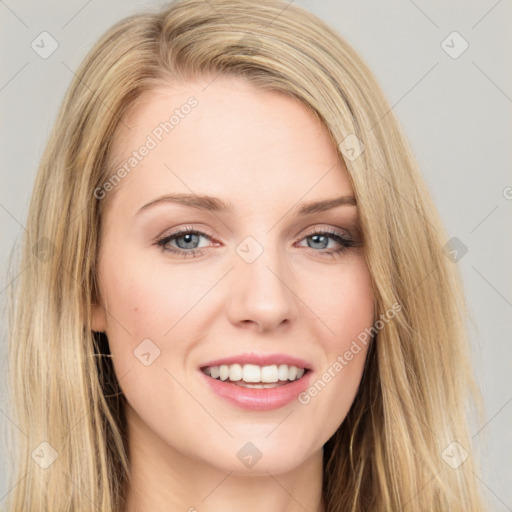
(261, 293)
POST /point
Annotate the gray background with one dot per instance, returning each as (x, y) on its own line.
(456, 113)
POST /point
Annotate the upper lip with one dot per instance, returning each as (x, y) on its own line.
(260, 360)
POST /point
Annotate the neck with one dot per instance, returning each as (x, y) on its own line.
(165, 479)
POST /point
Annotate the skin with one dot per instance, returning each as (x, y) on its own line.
(266, 154)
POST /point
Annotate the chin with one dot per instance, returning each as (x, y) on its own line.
(259, 459)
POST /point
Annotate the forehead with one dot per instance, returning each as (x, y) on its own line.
(229, 139)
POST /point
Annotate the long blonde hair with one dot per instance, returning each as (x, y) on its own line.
(388, 454)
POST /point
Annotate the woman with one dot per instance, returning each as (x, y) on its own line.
(235, 294)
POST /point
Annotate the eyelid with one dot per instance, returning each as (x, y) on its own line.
(325, 229)
(185, 229)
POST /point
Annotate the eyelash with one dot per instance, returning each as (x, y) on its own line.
(194, 253)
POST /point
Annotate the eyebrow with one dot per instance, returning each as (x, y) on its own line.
(214, 204)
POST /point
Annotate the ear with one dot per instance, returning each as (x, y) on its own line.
(99, 318)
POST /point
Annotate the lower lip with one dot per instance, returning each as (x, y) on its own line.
(259, 399)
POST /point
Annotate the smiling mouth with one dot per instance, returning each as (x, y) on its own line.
(254, 376)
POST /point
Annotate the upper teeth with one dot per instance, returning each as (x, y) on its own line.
(254, 373)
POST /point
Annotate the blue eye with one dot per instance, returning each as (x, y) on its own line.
(185, 242)
(321, 238)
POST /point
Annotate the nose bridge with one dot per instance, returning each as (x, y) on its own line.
(260, 292)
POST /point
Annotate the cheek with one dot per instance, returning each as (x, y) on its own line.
(160, 303)
(347, 305)
(344, 302)
(147, 302)
(145, 306)
(138, 309)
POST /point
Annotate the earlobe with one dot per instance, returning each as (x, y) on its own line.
(99, 318)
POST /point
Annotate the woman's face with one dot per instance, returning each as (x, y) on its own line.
(252, 283)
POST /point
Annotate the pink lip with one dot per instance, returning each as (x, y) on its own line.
(261, 360)
(258, 399)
